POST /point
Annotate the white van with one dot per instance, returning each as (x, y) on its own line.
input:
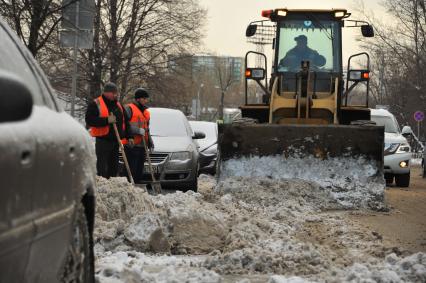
(397, 151)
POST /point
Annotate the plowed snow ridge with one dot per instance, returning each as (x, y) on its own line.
(249, 228)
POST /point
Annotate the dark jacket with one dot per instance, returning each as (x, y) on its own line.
(93, 119)
(128, 113)
(295, 56)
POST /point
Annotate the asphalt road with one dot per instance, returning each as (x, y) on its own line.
(404, 226)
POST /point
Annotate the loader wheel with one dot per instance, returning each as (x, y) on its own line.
(402, 180)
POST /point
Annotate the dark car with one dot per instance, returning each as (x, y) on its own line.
(47, 177)
(208, 145)
(175, 157)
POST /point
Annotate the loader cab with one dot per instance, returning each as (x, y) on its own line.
(307, 83)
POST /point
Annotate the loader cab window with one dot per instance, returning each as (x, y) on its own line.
(309, 39)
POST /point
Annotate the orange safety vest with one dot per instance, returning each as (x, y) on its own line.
(139, 119)
(103, 113)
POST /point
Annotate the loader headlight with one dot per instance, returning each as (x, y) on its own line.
(182, 156)
(403, 148)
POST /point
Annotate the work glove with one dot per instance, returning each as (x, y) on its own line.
(141, 132)
(151, 144)
(111, 119)
(131, 142)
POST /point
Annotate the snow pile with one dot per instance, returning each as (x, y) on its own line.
(197, 226)
(126, 218)
(138, 267)
(352, 182)
(392, 269)
(129, 218)
(284, 230)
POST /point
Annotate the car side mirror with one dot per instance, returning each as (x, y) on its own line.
(199, 135)
(251, 30)
(16, 101)
(367, 31)
(406, 131)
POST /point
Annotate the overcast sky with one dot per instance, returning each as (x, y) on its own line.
(228, 19)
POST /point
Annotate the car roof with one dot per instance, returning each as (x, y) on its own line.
(169, 111)
(381, 112)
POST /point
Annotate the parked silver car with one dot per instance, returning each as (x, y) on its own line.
(175, 157)
(47, 173)
(208, 145)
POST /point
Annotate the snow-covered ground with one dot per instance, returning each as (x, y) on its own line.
(247, 228)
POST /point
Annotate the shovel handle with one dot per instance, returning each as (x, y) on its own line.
(126, 163)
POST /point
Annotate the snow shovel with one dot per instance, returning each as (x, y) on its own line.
(156, 185)
(126, 163)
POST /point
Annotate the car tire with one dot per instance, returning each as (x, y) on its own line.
(389, 179)
(402, 180)
(193, 185)
(424, 167)
(79, 260)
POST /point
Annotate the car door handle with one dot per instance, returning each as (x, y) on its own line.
(26, 158)
(72, 151)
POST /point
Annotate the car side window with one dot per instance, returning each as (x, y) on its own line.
(13, 61)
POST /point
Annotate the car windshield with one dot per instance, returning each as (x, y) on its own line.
(167, 124)
(387, 122)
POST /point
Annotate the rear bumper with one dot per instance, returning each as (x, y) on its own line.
(392, 163)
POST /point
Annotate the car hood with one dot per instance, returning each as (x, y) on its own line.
(172, 144)
(207, 144)
(394, 138)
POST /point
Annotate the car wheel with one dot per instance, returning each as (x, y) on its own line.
(402, 180)
(389, 179)
(424, 168)
(79, 261)
(193, 185)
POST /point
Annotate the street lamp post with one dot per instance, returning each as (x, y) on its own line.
(198, 104)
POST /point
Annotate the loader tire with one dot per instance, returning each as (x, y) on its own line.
(402, 180)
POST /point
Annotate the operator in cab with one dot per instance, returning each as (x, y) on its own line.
(301, 52)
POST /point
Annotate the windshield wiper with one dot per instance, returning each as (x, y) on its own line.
(322, 27)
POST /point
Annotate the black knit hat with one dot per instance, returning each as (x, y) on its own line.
(141, 93)
(110, 87)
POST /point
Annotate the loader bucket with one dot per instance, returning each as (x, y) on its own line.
(339, 158)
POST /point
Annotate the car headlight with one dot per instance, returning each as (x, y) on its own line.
(390, 148)
(183, 155)
(403, 148)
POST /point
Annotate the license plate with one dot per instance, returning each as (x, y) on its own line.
(146, 169)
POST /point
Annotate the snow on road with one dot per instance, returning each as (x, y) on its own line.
(243, 229)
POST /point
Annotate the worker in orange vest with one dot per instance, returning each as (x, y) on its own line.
(101, 114)
(138, 115)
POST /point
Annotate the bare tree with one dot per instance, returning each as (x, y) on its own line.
(225, 76)
(399, 59)
(133, 40)
(33, 20)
